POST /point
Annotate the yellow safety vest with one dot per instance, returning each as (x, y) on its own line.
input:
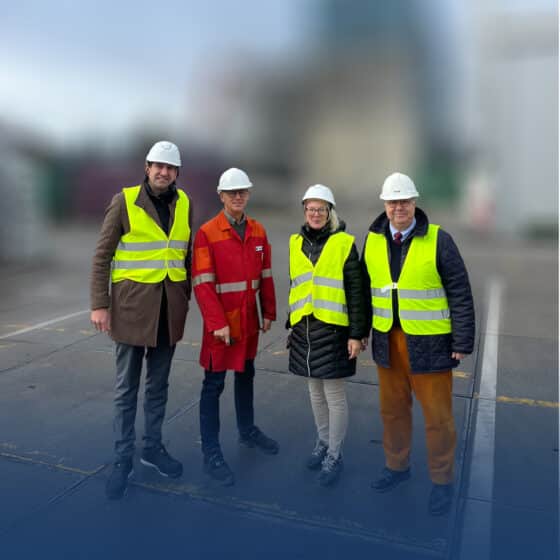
(146, 254)
(423, 307)
(320, 289)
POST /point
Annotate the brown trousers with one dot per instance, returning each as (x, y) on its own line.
(434, 392)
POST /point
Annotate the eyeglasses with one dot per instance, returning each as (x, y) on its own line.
(242, 193)
(395, 203)
(321, 211)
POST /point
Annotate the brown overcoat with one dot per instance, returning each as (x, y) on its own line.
(134, 306)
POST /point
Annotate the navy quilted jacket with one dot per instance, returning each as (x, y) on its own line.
(432, 353)
(319, 349)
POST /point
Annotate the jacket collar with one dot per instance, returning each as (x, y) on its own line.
(224, 223)
(323, 233)
(144, 201)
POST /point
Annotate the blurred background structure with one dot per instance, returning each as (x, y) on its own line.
(462, 95)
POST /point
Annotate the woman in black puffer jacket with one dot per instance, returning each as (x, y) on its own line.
(328, 321)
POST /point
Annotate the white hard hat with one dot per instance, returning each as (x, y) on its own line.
(398, 186)
(164, 152)
(320, 192)
(233, 179)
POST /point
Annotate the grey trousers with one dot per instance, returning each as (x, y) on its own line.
(129, 369)
(330, 410)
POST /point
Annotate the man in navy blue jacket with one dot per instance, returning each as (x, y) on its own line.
(422, 317)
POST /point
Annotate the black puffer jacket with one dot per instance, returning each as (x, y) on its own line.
(432, 353)
(318, 349)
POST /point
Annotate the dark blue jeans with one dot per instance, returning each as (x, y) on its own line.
(212, 388)
(129, 369)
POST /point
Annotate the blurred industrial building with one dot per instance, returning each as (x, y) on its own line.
(463, 96)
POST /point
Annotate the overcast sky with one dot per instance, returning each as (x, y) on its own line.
(100, 65)
(97, 66)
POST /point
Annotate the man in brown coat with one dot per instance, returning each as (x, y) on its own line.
(144, 254)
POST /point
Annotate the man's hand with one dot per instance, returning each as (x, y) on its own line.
(101, 319)
(223, 334)
(354, 348)
(457, 355)
(267, 323)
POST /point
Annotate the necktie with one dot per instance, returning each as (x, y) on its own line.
(397, 238)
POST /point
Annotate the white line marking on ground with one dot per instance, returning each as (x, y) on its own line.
(44, 324)
(477, 529)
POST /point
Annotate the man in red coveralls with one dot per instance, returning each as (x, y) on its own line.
(231, 268)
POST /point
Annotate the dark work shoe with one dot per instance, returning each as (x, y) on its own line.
(255, 438)
(390, 479)
(159, 459)
(216, 467)
(117, 484)
(441, 498)
(330, 470)
(317, 455)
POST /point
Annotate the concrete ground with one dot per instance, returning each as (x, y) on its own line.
(56, 388)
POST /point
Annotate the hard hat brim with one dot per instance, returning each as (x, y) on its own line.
(398, 197)
(162, 160)
(234, 188)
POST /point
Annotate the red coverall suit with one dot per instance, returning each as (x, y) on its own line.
(228, 274)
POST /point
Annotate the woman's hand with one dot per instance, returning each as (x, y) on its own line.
(354, 348)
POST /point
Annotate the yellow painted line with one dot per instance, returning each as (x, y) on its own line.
(527, 402)
(523, 401)
(371, 363)
(58, 466)
(366, 362)
(44, 324)
(9, 345)
(274, 509)
(279, 353)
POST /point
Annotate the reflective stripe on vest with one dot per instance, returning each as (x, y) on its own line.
(320, 289)
(228, 287)
(423, 306)
(145, 254)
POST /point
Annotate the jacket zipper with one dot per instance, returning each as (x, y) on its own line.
(307, 316)
(308, 345)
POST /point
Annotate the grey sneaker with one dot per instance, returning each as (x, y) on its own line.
(330, 470)
(317, 455)
(117, 484)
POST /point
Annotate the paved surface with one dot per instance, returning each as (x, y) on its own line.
(56, 380)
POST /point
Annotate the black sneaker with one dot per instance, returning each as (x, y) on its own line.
(330, 470)
(317, 455)
(216, 467)
(159, 459)
(255, 438)
(117, 484)
(390, 479)
(441, 498)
